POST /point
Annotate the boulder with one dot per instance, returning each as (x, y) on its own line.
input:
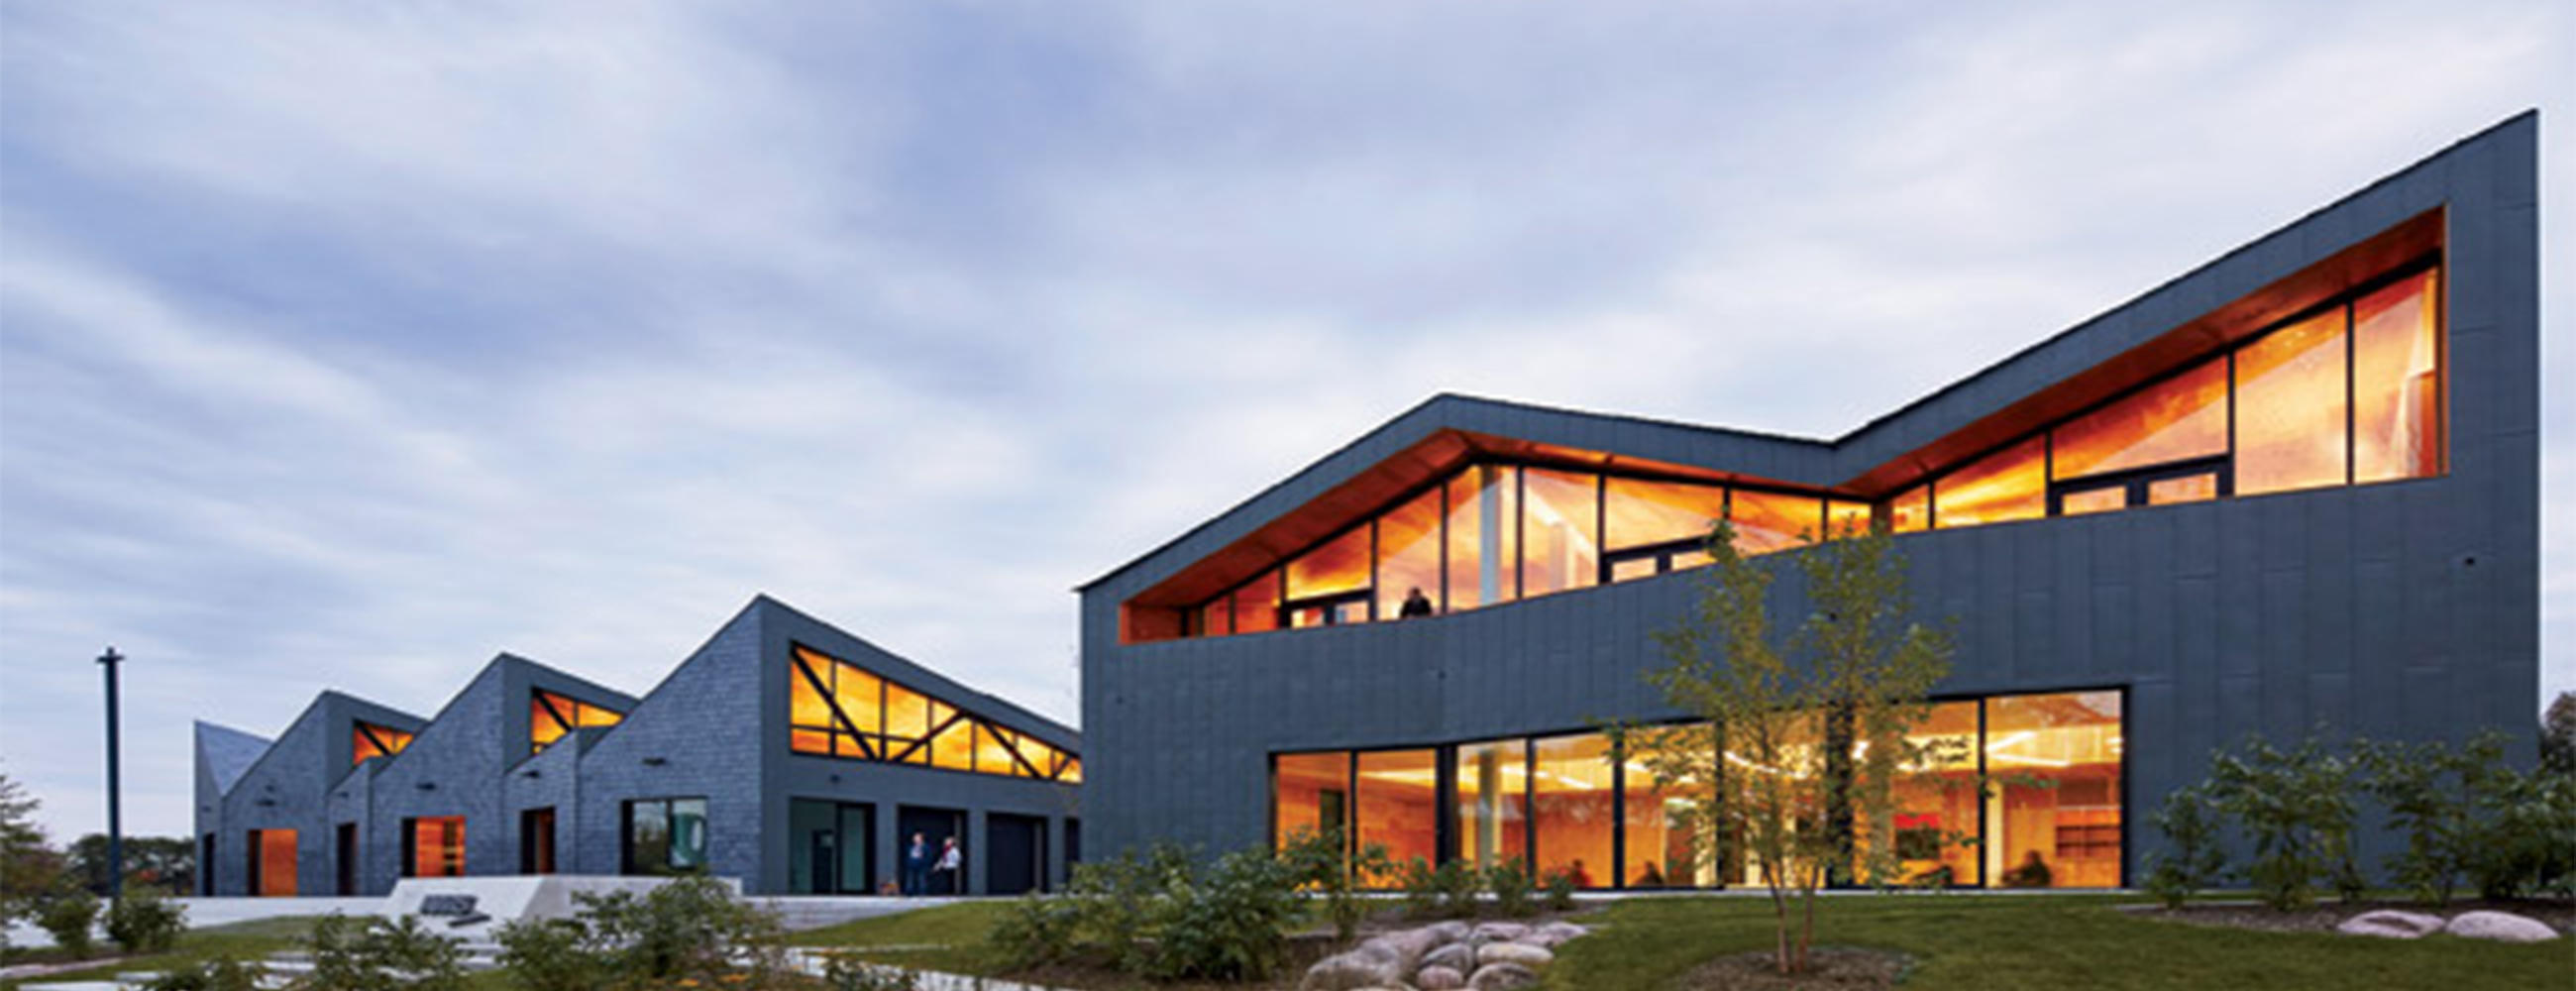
(1532, 957)
(1500, 932)
(1564, 931)
(1542, 939)
(2502, 926)
(1503, 977)
(1459, 957)
(1437, 978)
(1406, 947)
(2391, 924)
(1361, 968)
(1447, 932)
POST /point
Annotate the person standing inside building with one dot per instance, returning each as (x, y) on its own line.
(916, 866)
(1416, 605)
(951, 860)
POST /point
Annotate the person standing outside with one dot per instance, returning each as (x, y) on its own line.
(951, 860)
(916, 866)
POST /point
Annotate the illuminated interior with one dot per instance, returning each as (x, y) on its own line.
(370, 740)
(838, 709)
(272, 863)
(2347, 391)
(1495, 533)
(2052, 763)
(551, 717)
(434, 847)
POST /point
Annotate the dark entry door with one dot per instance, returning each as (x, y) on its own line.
(1016, 862)
(936, 826)
(344, 852)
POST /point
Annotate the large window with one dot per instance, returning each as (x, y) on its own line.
(370, 740)
(434, 846)
(1496, 533)
(666, 836)
(838, 709)
(2348, 393)
(2049, 814)
(551, 717)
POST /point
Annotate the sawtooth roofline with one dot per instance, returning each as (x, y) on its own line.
(1884, 439)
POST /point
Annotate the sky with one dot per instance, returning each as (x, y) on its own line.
(349, 345)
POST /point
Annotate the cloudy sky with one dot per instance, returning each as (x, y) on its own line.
(345, 345)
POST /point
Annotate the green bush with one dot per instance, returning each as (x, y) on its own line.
(1560, 890)
(1319, 863)
(2192, 859)
(1163, 917)
(1231, 923)
(552, 955)
(846, 973)
(1037, 930)
(690, 928)
(145, 922)
(68, 917)
(219, 974)
(377, 955)
(1509, 880)
(2297, 806)
(2523, 841)
(2429, 791)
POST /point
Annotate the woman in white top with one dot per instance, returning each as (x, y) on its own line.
(950, 860)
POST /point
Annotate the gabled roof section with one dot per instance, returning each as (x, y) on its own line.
(227, 753)
(332, 706)
(2384, 224)
(801, 628)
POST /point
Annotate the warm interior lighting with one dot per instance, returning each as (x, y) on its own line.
(2179, 419)
(2010, 484)
(2290, 401)
(838, 709)
(552, 716)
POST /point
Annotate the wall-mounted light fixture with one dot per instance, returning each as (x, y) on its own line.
(427, 786)
(656, 761)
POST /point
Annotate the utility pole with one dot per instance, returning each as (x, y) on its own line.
(115, 787)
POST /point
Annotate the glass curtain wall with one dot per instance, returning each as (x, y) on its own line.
(838, 709)
(2052, 816)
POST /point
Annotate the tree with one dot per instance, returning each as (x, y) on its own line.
(1799, 734)
(2558, 735)
(168, 863)
(29, 867)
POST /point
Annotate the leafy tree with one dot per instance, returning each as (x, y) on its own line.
(2558, 735)
(1327, 868)
(2430, 791)
(166, 863)
(2297, 806)
(1801, 733)
(2191, 860)
(29, 867)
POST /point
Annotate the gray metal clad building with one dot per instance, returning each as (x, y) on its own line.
(784, 752)
(2295, 487)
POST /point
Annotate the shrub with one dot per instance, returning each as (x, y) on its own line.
(2524, 837)
(2191, 859)
(2297, 807)
(552, 955)
(691, 928)
(1416, 880)
(68, 917)
(1037, 930)
(2429, 790)
(377, 955)
(1509, 880)
(219, 974)
(842, 972)
(145, 922)
(1560, 891)
(1320, 867)
(1230, 924)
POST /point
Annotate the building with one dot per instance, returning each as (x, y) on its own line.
(2297, 486)
(784, 752)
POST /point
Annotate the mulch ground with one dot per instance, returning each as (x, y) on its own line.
(1839, 968)
(2559, 915)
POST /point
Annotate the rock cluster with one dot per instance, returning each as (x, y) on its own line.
(2502, 926)
(1448, 956)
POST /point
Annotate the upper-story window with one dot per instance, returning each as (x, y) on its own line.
(1498, 532)
(552, 717)
(2348, 393)
(838, 709)
(370, 740)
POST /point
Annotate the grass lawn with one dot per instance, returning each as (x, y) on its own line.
(252, 940)
(948, 938)
(2045, 942)
(1983, 943)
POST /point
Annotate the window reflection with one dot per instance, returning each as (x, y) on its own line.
(1644, 513)
(2189, 488)
(2093, 501)
(2397, 382)
(2057, 761)
(2179, 419)
(1340, 565)
(1310, 794)
(2290, 394)
(1493, 782)
(1399, 805)
(1911, 512)
(1408, 555)
(2010, 484)
(1768, 521)
(1560, 512)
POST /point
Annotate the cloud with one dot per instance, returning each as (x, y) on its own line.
(373, 340)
